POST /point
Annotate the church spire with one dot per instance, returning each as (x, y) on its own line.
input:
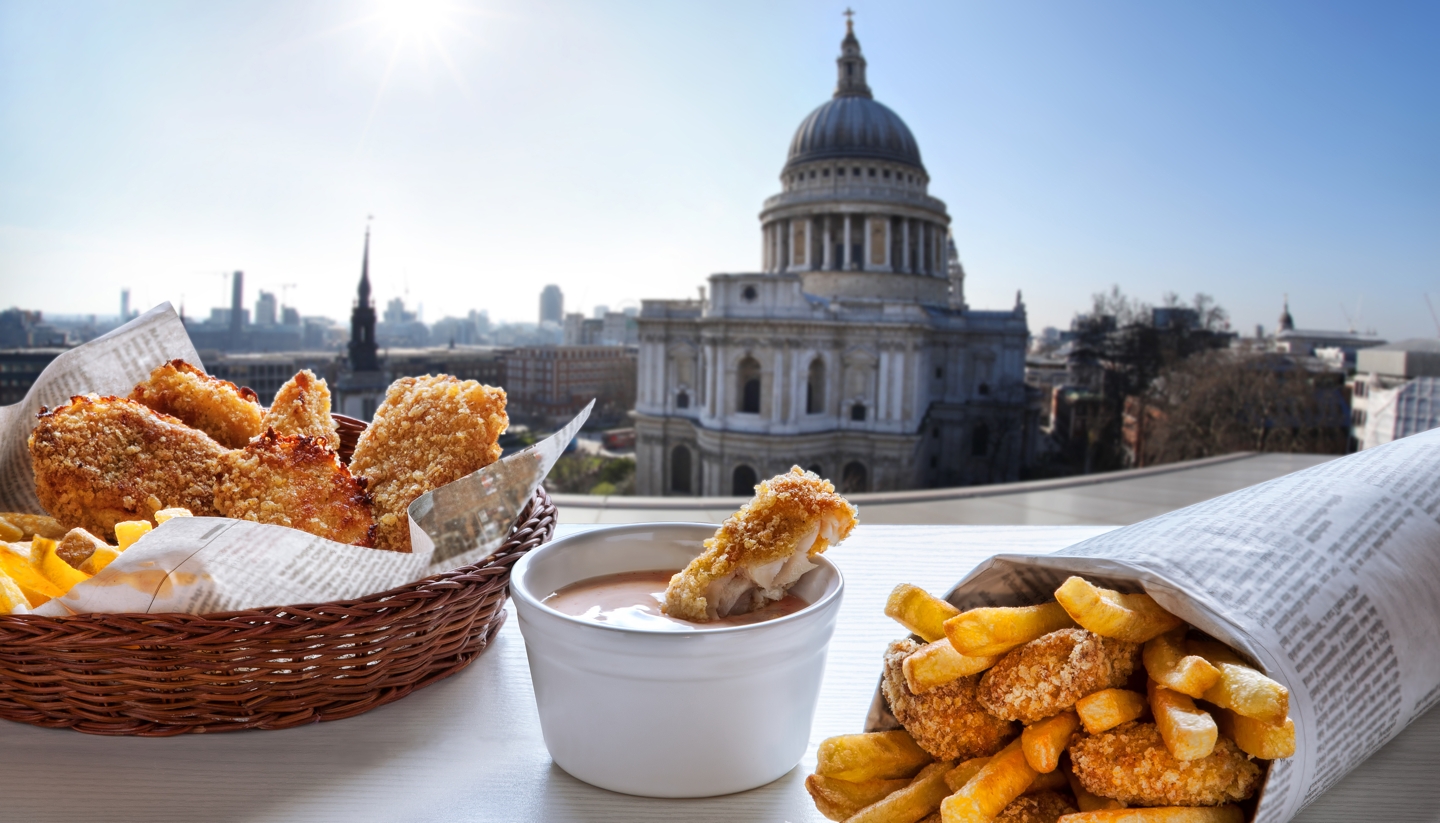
(851, 64)
(364, 352)
(364, 291)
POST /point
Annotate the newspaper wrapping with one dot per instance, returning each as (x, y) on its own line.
(202, 565)
(1328, 579)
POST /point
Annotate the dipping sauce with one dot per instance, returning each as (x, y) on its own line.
(633, 600)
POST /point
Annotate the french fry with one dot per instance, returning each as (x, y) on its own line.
(919, 611)
(166, 514)
(1108, 708)
(871, 756)
(1161, 814)
(1169, 664)
(1189, 733)
(53, 567)
(998, 782)
(988, 632)
(839, 799)
(936, 664)
(1256, 737)
(1133, 617)
(128, 532)
(12, 599)
(957, 777)
(9, 532)
(16, 561)
(33, 524)
(917, 800)
(99, 559)
(1087, 801)
(1042, 743)
(1048, 782)
(1241, 688)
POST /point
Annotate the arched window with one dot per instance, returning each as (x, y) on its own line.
(749, 379)
(815, 388)
(743, 481)
(680, 470)
(857, 411)
(980, 440)
(854, 478)
(682, 400)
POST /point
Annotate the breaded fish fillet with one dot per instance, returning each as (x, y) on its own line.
(226, 412)
(102, 460)
(302, 406)
(947, 721)
(761, 550)
(1041, 807)
(429, 431)
(1046, 676)
(1130, 763)
(295, 481)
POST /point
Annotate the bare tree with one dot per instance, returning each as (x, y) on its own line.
(1217, 402)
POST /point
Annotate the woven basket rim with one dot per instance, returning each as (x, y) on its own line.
(538, 501)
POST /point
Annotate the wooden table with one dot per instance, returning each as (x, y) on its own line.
(469, 748)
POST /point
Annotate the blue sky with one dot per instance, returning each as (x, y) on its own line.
(623, 150)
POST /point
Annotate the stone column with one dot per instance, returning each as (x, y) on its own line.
(865, 235)
(905, 245)
(828, 253)
(889, 244)
(846, 252)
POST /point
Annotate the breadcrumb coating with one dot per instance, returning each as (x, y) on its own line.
(295, 481)
(77, 545)
(229, 414)
(947, 721)
(302, 406)
(429, 431)
(102, 460)
(1130, 763)
(761, 550)
(1046, 676)
(1041, 807)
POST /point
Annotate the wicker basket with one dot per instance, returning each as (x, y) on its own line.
(156, 675)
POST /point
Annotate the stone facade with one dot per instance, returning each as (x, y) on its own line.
(853, 352)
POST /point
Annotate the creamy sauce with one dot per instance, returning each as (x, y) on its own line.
(633, 600)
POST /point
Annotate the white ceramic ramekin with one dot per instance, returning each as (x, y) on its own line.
(669, 714)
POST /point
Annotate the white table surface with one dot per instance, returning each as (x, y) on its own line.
(469, 748)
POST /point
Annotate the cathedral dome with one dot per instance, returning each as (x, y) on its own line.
(853, 126)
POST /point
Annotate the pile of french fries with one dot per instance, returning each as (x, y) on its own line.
(40, 561)
(886, 777)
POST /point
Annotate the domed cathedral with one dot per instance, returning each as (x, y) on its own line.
(853, 353)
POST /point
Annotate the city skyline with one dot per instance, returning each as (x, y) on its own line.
(619, 154)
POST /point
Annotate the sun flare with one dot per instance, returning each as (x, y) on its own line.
(414, 18)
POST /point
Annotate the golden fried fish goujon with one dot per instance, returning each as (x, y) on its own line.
(1173, 814)
(922, 797)
(1133, 617)
(986, 632)
(994, 787)
(1044, 742)
(1189, 733)
(870, 756)
(1256, 737)
(1108, 708)
(840, 799)
(302, 407)
(1131, 764)
(1172, 666)
(231, 415)
(1241, 688)
(761, 550)
(919, 611)
(936, 664)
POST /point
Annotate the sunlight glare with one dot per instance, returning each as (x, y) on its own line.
(413, 18)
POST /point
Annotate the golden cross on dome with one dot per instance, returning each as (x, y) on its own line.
(849, 18)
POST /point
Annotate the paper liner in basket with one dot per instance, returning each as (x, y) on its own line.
(203, 565)
(1328, 579)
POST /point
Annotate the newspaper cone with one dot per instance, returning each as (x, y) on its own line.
(1328, 579)
(202, 565)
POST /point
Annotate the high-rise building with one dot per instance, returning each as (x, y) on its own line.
(853, 352)
(265, 307)
(237, 309)
(552, 304)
